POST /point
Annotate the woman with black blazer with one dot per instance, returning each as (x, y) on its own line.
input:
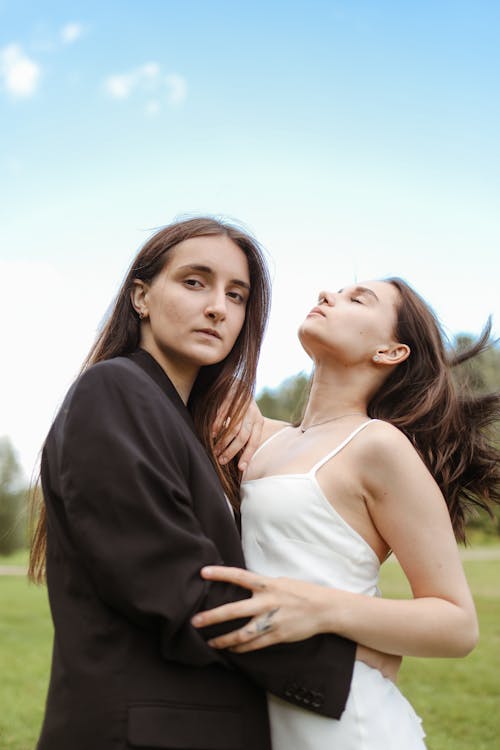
(135, 504)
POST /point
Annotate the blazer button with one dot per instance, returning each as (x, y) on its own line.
(318, 699)
(300, 694)
(291, 689)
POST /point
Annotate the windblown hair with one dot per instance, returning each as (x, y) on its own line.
(450, 427)
(232, 379)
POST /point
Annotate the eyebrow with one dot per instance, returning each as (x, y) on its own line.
(210, 272)
(364, 289)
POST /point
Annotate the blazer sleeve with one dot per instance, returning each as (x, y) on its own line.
(123, 474)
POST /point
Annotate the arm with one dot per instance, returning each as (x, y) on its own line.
(411, 515)
(130, 512)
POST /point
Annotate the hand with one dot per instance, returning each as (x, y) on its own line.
(388, 664)
(282, 610)
(243, 434)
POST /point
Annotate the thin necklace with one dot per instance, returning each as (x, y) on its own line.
(332, 419)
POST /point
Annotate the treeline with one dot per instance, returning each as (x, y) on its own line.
(481, 375)
(13, 500)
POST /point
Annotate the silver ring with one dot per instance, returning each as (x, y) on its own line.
(264, 624)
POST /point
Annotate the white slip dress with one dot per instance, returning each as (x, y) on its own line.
(289, 528)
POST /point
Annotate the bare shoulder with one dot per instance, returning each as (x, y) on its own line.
(383, 445)
(380, 432)
(271, 426)
(385, 452)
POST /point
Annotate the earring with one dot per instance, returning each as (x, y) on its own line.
(141, 315)
(376, 358)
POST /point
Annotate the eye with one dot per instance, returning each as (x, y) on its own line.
(195, 283)
(356, 299)
(237, 297)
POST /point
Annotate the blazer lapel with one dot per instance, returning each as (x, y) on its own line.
(148, 363)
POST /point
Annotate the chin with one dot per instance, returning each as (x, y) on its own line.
(211, 359)
(304, 336)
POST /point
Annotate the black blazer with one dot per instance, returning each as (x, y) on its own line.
(134, 510)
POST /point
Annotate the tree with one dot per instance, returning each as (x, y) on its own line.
(287, 400)
(482, 373)
(12, 500)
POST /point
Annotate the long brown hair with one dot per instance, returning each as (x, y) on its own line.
(448, 424)
(234, 377)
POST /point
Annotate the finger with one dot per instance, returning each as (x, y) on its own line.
(234, 441)
(233, 640)
(244, 578)
(255, 629)
(242, 432)
(229, 431)
(263, 641)
(251, 446)
(221, 420)
(232, 611)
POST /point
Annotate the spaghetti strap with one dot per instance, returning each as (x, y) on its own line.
(343, 444)
(271, 437)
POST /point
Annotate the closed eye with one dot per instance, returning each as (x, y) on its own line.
(355, 299)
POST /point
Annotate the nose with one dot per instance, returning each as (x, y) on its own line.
(325, 297)
(216, 306)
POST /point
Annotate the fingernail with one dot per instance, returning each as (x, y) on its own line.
(196, 620)
(243, 466)
(207, 570)
(222, 460)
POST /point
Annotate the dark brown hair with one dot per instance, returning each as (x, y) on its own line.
(449, 425)
(234, 377)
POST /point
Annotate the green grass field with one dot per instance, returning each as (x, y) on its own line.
(459, 700)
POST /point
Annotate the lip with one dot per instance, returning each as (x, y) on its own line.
(316, 311)
(209, 332)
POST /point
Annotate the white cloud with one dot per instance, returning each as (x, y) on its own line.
(149, 71)
(120, 86)
(177, 88)
(19, 73)
(148, 78)
(71, 32)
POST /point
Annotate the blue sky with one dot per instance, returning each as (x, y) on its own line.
(355, 139)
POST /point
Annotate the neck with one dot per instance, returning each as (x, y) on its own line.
(335, 394)
(181, 374)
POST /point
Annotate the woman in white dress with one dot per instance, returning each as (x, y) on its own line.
(388, 456)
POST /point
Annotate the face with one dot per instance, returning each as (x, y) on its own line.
(194, 309)
(353, 324)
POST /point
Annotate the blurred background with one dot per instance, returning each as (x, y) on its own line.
(356, 139)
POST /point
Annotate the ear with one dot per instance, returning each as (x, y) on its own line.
(392, 355)
(138, 297)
